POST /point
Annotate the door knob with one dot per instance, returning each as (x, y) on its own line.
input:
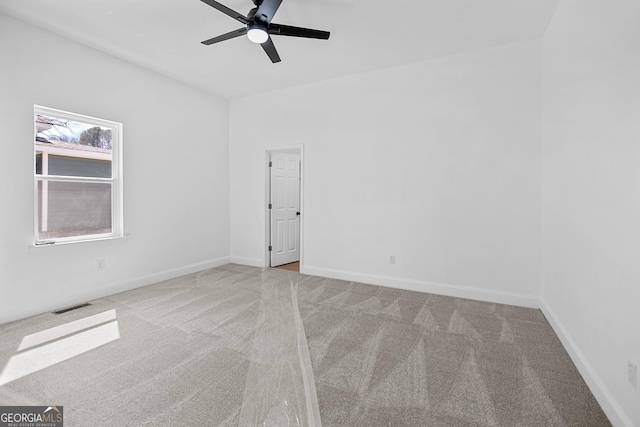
(297, 213)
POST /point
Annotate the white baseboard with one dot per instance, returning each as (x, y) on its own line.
(114, 288)
(457, 291)
(614, 412)
(251, 262)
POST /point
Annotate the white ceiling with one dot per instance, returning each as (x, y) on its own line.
(165, 35)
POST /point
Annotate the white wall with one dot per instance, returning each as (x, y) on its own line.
(175, 172)
(436, 162)
(591, 193)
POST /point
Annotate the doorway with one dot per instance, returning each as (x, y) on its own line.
(284, 216)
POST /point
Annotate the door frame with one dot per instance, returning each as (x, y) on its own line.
(267, 193)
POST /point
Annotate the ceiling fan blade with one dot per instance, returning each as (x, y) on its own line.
(270, 49)
(267, 10)
(230, 35)
(229, 12)
(286, 30)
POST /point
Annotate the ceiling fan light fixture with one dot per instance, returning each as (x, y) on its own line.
(257, 34)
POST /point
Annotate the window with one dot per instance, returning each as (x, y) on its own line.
(78, 177)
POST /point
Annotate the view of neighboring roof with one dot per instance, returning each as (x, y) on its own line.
(72, 146)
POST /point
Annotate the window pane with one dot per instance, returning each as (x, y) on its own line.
(67, 209)
(72, 148)
(78, 166)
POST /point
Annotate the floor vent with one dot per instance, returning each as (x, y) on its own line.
(64, 310)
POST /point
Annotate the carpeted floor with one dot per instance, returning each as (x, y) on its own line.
(192, 351)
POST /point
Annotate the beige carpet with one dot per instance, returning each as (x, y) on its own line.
(187, 352)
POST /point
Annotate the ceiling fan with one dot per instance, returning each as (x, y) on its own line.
(258, 26)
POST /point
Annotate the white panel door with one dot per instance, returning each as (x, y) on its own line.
(285, 208)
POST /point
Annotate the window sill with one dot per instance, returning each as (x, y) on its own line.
(36, 246)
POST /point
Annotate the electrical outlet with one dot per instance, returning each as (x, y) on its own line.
(632, 373)
(100, 265)
(392, 259)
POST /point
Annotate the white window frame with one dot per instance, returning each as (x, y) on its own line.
(117, 210)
